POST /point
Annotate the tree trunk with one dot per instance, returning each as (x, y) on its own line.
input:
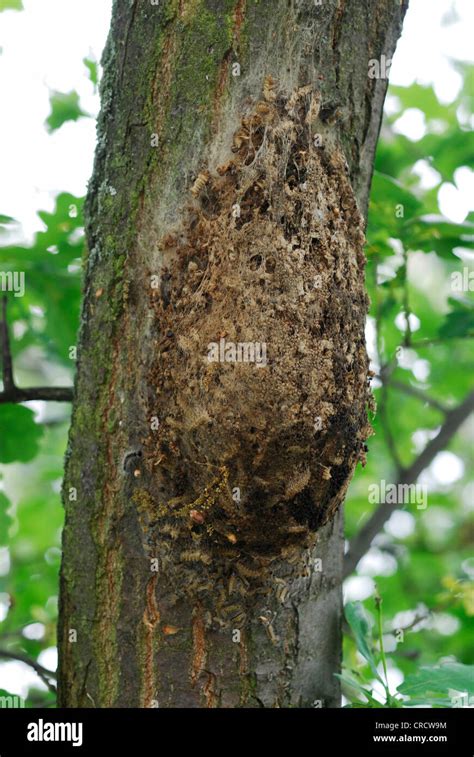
(203, 542)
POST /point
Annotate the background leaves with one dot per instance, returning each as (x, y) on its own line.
(65, 106)
(15, 5)
(19, 434)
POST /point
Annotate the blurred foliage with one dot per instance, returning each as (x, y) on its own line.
(43, 326)
(450, 684)
(420, 326)
(20, 434)
(65, 106)
(14, 5)
(47, 316)
(421, 322)
(93, 71)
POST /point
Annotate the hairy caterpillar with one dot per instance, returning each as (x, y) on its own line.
(196, 555)
(199, 184)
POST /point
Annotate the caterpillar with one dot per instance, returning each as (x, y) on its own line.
(269, 89)
(169, 530)
(244, 570)
(196, 555)
(297, 483)
(199, 184)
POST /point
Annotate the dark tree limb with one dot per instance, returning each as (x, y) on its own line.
(362, 541)
(41, 672)
(7, 363)
(48, 393)
(12, 393)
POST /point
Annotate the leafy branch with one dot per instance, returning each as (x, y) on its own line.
(453, 420)
(430, 686)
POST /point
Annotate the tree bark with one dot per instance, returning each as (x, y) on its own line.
(173, 99)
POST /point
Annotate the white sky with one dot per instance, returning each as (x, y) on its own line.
(43, 47)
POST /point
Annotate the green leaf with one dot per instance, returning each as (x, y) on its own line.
(358, 621)
(19, 434)
(5, 220)
(93, 69)
(351, 683)
(435, 233)
(454, 149)
(65, 106)
(424, 99)
(5, 520)
(386, 190)
(391, 206)
(53, 270)
(11, 5)
(439, 679)
(459, 322)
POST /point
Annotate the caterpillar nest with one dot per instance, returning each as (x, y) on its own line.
(260, 373)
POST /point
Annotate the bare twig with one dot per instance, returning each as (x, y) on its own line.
(362, 541)
(417, 619)
(41, 672)
(48, 393)
(14, 394)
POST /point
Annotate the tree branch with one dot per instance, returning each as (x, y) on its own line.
(41, 672)
(48, 393)
(413, 391)
(362, 541)
(7, 365)
(14, 394)
(387, 431)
